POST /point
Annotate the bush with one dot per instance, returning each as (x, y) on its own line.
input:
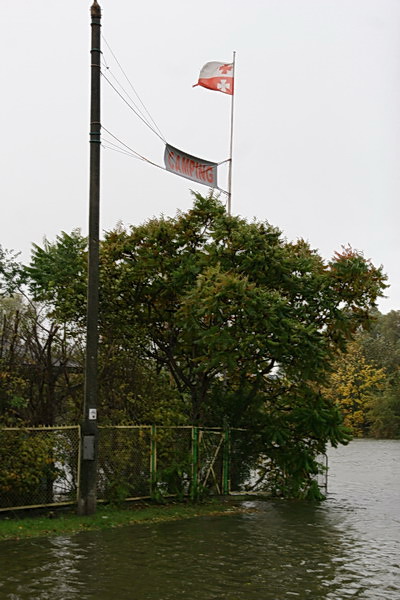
(27, 468)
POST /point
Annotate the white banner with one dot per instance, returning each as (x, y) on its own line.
(191, 167)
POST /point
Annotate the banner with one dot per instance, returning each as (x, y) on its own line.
(191, 167)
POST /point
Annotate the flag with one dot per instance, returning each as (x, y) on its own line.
(217, 76)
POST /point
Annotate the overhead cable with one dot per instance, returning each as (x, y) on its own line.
(132, 108)
(135, 107)
(160, 134)
(136, 154)
(128, 151)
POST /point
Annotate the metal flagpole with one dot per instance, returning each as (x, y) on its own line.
(229, 204)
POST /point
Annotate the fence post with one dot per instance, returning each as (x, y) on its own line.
(153, 458)
(226, 480)
(195, 462)
(78, 467)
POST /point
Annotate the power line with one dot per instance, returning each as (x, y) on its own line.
(133, 109)
(136, 154)
(136, 109)
(135, 92)
(119, 150)
(128, 151)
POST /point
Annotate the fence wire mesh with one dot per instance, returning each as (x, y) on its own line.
(123, 470)
(173, 465)
(243, 461)
(38, 466)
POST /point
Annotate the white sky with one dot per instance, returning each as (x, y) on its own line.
(317, 117)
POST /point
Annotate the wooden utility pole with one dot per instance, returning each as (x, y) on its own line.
(89, 437)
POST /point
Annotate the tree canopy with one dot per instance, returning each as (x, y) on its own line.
(365, 380)
(220, 318)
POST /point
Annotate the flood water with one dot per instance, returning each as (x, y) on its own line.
(347, 547)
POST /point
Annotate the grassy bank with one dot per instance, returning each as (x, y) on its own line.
(106, 517)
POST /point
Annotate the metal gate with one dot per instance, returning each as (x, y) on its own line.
(213, 456)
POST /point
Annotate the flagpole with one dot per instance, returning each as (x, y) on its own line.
(229, 203)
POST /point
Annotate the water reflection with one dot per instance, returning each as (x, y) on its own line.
(347, 547)
(41, 569)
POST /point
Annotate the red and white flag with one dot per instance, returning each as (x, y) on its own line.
(217, 76)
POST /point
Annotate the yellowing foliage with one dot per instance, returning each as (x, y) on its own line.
(352, 386)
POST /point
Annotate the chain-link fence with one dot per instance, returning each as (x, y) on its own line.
(172, 461)
(38, 466)
(123, 469)
(139, 462)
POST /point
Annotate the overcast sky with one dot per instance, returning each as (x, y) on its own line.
(317, 116)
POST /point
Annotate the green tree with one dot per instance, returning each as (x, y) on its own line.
(222, 300)
(57, 277)
(40, 365)
(381, 347)
(12, 274)
(40, 362)
(132, 388)
(381, 342)
(245, 323)
(384, 414)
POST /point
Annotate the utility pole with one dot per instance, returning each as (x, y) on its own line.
(89, 430)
